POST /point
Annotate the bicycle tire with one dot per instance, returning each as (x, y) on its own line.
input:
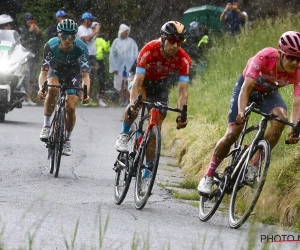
(214, 200)
(244, 196)
(123, 174)
(141, 195)
(59, 142)
(51, 155)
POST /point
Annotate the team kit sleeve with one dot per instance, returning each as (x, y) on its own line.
(84, 59)
(297, 83)
(46, 58)
(185, 70)
(142, 59)
(255, 65)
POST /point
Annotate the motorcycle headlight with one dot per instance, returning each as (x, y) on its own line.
(6, 67)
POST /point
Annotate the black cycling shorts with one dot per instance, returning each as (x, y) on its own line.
(67, 75)
(266, 101)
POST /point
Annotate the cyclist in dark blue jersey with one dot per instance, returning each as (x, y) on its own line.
(65, 58)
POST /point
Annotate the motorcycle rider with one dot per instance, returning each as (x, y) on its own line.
(6, 22)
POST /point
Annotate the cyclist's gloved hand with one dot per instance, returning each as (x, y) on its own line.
(42, 95)
(181, 124)
(132, 110)
(86, 100)
(292, 139)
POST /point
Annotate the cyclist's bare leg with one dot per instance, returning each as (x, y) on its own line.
(50, 99)
(223, 147)
(151, 148)
(274, 132)
(71, 102)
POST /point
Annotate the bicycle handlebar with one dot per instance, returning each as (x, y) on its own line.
(138, 101)
(253, 108)
(65, 87)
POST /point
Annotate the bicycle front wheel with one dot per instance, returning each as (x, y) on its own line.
(59, 142)
(151, 154)
(123, 167)
(209, 204)
(245, 194)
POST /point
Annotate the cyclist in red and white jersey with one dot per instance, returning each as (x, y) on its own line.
(266, 72)
(149, 75)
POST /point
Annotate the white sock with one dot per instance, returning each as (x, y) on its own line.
(68, 135)
(47, 120)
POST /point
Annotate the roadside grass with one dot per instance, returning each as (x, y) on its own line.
(209, 97)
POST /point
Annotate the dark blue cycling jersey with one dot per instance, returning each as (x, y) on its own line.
(61, 60)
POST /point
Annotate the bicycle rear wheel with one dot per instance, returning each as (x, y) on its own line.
(208, 205)
(143, 187)
(245, 195)
(123, 166)
(59, 142)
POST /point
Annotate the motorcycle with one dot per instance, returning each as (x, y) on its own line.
(13, 70)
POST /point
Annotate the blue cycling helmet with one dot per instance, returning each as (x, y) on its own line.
(67, 26)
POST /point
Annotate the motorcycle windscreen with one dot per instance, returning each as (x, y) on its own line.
(5, 45)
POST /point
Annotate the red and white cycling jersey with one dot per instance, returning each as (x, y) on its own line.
(157, 67)
(262, 69)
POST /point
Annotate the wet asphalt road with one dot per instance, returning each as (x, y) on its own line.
(36, 206)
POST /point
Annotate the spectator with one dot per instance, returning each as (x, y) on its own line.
(88, 36)
(12, 7)
(122, 56)
(233, 17)
(190, 44)
(31, 40)
(102, 46)
(195, 44)
(52, 31)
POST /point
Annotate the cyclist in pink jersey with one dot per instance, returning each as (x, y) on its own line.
(266, 72)
(149, 75)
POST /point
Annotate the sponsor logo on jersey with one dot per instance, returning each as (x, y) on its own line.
(254, 65)
(143, 57)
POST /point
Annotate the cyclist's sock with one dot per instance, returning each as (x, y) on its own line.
(47, 120)
(125, 128)
(213, 164)
(148, 164)
(68, 135)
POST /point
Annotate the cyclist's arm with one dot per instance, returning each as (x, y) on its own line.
(182, 94)
(295, 115)
(42, 79)
(137, 84)
(86, 81)
(244, 94)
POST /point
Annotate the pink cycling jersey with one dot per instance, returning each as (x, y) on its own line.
(157, 67)
(262, 69)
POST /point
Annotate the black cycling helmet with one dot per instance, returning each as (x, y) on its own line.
(173, 28)
(67, 26)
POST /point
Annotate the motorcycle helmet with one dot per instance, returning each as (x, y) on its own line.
(67, 26)
(4, 18)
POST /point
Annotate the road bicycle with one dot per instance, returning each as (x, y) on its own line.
(58, 124)
(244, 192)
(144, 145)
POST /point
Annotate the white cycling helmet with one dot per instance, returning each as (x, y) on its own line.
(4, 18)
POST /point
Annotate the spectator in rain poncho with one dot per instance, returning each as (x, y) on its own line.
(123, 54)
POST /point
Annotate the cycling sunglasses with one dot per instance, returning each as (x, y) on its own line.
(174, 39)
(292, 58)
(66, 36)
